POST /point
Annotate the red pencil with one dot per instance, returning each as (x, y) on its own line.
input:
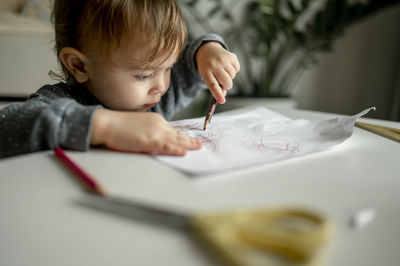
(89, 182)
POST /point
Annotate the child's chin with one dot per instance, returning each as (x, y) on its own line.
(137, 109)
(140, 109)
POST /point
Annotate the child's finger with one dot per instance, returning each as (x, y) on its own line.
(231, 71)
(178, 144)
(171, 149)
(187, 142)
(215, 89)
(224, 80)
(235, 63)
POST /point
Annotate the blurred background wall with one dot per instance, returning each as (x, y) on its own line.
(26, 54)
(363, 71)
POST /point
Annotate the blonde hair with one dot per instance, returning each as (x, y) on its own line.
(158, 24)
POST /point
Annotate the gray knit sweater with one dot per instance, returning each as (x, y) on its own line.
(61, 114)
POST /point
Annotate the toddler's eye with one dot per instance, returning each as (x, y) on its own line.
(144, 77)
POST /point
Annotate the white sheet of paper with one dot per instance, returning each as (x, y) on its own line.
(254, 137)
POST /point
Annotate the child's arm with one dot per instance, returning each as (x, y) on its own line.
(139, 132)
(42, 123)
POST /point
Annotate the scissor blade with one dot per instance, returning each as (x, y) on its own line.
(138, 210)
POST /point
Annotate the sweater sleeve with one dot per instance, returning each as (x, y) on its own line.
(185, 80)
(40, 124)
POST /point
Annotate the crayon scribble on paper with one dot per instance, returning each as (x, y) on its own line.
(265, 145)
(209, 138)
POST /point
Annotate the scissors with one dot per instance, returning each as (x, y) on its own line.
(239, 237)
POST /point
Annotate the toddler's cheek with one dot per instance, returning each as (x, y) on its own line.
(165, 91)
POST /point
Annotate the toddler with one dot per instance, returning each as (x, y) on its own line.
(126, 70)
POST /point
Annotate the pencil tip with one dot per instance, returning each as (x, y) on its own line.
(100, 191)
(205, 125)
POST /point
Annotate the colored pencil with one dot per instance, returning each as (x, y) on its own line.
(89, 183)
(388, 132)
(210, 112)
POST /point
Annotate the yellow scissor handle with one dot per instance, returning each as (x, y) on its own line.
(296, 234)
(240, 236)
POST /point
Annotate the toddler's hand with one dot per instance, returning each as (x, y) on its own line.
(217, 67)
(139, 132)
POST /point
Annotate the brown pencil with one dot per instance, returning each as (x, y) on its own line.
(210, 112)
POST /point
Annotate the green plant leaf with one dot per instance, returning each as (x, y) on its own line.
(191, 3)
(292, 8)
(305, 4)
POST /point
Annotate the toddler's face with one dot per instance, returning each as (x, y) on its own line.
(121, 84)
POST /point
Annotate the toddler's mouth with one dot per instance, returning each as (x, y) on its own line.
(151, 105)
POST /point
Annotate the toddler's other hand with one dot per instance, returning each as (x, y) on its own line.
(217, 67)
(140, 133)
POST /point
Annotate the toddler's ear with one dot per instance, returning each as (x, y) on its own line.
(74, 60)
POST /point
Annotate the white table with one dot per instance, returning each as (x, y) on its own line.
(43, 223)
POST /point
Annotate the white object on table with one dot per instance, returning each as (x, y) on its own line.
(259, 136)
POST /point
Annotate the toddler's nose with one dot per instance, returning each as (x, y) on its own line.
(156, 90)
(158, 86)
